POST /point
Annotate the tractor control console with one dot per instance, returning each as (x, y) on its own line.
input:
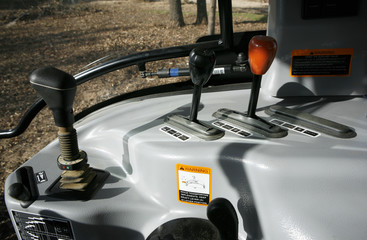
(165, 163)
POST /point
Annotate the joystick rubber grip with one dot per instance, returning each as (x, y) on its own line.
(261, 53)
(58, 89)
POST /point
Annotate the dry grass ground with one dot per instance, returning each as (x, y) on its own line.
(69, 37)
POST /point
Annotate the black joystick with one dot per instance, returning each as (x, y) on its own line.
(222, 214)
(261, 53)
(201, 64)
(57, 89)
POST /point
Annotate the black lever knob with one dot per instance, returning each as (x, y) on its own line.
(25, 188)
(222, 214)
(58, 89)
(201, 64)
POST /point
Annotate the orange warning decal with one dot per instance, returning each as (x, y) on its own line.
(321, 62)
(194, 184)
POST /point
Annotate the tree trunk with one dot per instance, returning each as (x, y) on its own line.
(211, 20)
(201, 15)
(176, 15)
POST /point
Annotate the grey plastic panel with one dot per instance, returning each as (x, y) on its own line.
(321, 125)
(286, 25)
(303, 187)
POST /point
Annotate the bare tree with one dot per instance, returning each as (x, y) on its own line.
(176, 15)
(211, 20)
(201, 15)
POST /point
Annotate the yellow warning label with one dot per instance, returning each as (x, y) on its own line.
(321, 62)
(193, 184)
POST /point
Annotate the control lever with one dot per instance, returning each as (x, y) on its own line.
(201, 65)
(25, 188)
(262, 50)
(222, 214)
(58, 89)
(261, 53)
